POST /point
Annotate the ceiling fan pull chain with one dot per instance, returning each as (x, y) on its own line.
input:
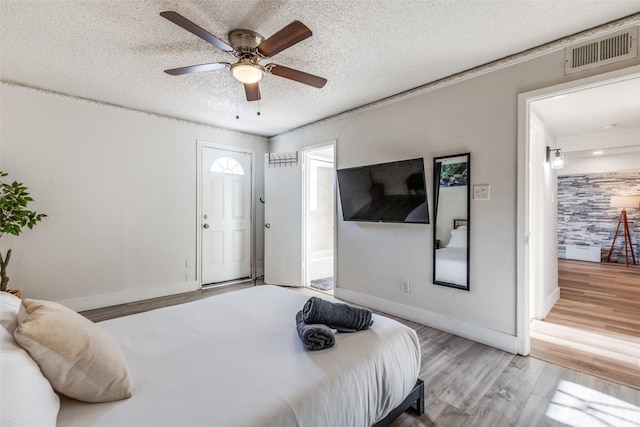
(237, 105)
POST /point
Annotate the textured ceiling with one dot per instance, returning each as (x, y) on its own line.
(115, 51)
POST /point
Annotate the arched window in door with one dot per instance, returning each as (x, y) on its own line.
(227, 165)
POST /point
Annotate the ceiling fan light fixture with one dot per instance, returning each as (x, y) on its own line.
(247, 71)
(249, 48)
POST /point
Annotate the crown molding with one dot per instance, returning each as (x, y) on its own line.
(11, 83)
(480, 70)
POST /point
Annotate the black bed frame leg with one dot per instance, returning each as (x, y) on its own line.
(418, 406)
(414, 402)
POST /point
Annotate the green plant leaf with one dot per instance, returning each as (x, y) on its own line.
(14, 214)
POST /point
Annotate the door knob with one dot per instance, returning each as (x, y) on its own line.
(206, 225)
(267, 225)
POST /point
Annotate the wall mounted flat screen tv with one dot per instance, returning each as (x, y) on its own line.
(385, 192)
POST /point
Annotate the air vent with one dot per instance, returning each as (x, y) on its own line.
(604, 50)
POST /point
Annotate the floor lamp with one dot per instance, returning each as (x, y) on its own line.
(624, 202)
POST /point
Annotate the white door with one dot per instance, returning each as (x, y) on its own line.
(225, 215)
(283, 210)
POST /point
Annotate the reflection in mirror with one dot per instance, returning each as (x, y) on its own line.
(451, 221)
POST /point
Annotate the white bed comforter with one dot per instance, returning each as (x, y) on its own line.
(236, 360)
(451, 265)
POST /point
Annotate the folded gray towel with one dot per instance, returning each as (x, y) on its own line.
(343, 317)
(314, 337)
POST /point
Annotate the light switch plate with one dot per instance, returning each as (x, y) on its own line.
(481, 192)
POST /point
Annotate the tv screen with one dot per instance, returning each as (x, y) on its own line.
(385, 192)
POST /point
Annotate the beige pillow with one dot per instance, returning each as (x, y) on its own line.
(78, 358)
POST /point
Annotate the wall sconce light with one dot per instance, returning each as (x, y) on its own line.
(558, 159)
(624, 202)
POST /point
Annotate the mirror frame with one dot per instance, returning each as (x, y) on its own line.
(436, 196)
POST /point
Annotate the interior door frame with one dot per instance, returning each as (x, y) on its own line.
(204, 144)
(305, 197)
(525, 183)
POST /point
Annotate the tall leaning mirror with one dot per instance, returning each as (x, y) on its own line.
(451, 220)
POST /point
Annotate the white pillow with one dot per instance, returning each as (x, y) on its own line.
(79, 359)
(27, 398)
(458, 238)
(9, 307)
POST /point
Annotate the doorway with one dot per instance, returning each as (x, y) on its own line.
(319, 217)
(537, 213)
(225, 237)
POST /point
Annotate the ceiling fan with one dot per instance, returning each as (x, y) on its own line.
(250, 48)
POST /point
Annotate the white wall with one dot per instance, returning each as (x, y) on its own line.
(599, 164)
(479, 116)
(119, 189)
(543, 245)
(578, 151)
(549, 187)
(611, 138)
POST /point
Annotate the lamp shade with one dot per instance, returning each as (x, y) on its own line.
(247, 72)
(625, 202)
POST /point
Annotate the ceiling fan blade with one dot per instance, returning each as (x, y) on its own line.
(253, 91)
(285, 38)
(297, 75)
(183, 22)
(197, 68)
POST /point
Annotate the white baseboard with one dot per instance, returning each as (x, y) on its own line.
(550, 301)
(479, 334)
(115, 298)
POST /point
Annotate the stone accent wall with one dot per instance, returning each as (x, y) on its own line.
(584, 215)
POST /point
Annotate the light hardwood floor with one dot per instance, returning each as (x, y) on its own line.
(473, 385)
(595, 325)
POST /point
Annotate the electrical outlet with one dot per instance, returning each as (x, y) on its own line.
(188, 277)
(406, 286)
(481, 192)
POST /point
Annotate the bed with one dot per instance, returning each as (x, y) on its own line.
(451, 265)
(236, 360)
(451, 261)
